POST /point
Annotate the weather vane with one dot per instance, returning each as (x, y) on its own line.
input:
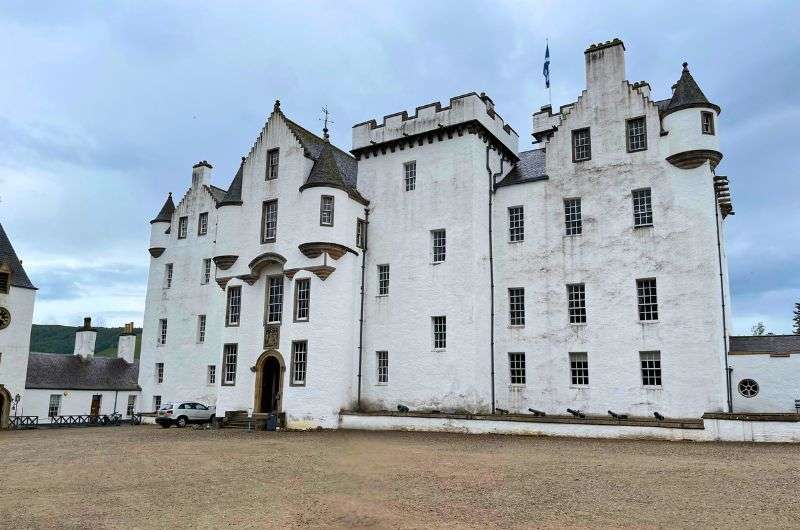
(326, 119)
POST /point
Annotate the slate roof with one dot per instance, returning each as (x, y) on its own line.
(217, 193)
(165, 215)
(7, 255)
(56, 371)
(687, 94)
(530, 168)
(765, 344)
(234, 193)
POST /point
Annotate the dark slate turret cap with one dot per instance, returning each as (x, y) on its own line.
(233, 197)
(165, 215)
(687, 94)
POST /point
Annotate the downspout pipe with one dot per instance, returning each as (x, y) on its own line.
(361, 315)
(491, 268)
(728, 369)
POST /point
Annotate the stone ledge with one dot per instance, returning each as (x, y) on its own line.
(753, 416)
(681, 423)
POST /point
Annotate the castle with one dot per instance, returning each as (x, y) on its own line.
(438, 267)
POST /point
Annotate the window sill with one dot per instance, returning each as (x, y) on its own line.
(381, 296)
(268, 242)
(437, 262)
(636, 227)
(301, 385)
(577, 324)
(570, 236)
(438, 350)
(637, 150)
(300, 321)
(516, 326)
(515, 242)
(517, 385)
(653, 387)
(579, 387)
(648, 322)
(381, 384)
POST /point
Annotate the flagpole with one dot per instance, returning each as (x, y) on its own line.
(549, 89)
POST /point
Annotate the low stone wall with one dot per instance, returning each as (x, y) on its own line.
(718, 428)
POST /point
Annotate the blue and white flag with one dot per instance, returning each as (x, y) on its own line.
(546, 70)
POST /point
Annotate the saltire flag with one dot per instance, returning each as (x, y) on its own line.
(546, 70)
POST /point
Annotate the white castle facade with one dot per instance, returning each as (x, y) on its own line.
(438, 267)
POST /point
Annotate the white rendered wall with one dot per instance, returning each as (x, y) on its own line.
(15, 339)
(77, 402)
(778, 381)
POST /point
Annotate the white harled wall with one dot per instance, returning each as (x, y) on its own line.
(16, 338)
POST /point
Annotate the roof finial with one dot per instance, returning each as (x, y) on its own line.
(325, 119)
(170, 195)
(277, 106)
(685, 67)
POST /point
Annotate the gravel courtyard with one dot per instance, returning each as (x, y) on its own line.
(149, 477)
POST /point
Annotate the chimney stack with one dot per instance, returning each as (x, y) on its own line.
(201, 174)
(605, 65)
(126, 348)
(85, 338)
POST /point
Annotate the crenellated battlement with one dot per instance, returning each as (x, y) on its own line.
(432, 117)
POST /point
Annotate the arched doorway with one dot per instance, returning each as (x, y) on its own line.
(269, 382)
(5, 407)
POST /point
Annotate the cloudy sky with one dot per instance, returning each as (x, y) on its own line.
(106, 106)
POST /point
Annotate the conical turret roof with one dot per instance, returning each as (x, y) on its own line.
(687, 94)
(234, 194)
(165, 215)
(9, 258)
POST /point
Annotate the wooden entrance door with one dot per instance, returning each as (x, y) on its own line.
(96, 399)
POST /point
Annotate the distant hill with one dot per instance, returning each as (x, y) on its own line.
(47, 338)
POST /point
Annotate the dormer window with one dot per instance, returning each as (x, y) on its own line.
(272, 164)
(707, 122)
(581, 145)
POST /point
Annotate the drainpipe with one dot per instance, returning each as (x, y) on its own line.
(361, 316)
(491, 266)
(728, 368)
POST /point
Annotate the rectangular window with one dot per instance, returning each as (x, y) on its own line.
(159, 373)
(410, 171)
(299, 362)
(361, 234)
(202, 224)
(272, 163)
(572, 217)
(579, 368)
(183, 227)
(162, 332)
(4, 281)
(642, 208)
(636, 134)
(651, 367)
(581, 145)
(211, 377)
(234, 308)
(648, 301)
(302, 297)
(516, 306)
(439, 241)
(326, 210)
(576, 303)
(206, 276)
(439, 332)
(275, 300)
(382, 363)
(201, 328)
(516, 224)
(131, 408)
(269, 221)
(168, 275)
(707, 121)
(54, 407)
(156, 403)
(383, 280)
(229, 354)
(516, 365)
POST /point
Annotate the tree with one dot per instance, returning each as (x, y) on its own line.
(758, 329)
(796, 318)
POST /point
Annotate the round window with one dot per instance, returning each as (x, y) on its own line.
(5, 318)
(748, 388)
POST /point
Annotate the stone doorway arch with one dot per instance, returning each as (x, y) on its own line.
(5, 407)
(270, 369)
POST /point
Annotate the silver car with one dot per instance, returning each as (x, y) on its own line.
(182, 413)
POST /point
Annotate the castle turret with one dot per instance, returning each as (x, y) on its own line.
(159, 226)
(690, 122)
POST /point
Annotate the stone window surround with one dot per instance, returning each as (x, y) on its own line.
(54, 405)
(438, 246)
(265, 237)
(299, 366)
(628, 123)
(211, 374)
(183, 227)
(516, 368)
(516, 224)
(650, 362)
(383, 279)
(576, 304)
(382, 367)
(273, 163)
(302, 285)
(647, 299)
(274, 306)
(642, 199)
(202, 224)
(439, 329)
(579, 369)
(588, 145)
(516, 307)
(410, 175)
(233, 306)
(230, 354)
(707, 118)
(326, 209)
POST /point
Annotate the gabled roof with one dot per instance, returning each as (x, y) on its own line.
(530, 168)
(165, 215)
(56, 371)
(765, 344)
(687, 94)
(8, 257)
(234, 194)
(216, 193)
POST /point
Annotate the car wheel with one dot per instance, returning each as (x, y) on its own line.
(211, 419)
(182, 421)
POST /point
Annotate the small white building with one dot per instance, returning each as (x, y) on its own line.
(765, 371)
